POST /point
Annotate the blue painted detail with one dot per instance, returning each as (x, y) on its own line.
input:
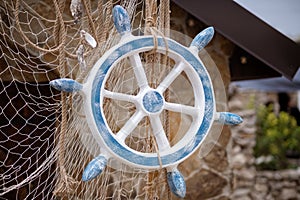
(121, 20)
(153, 101)
(106, 135)
(66, 85)
(94, 168)
(229, 118)
(203, 38)
(176, 183)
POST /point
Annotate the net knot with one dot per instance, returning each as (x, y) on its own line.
(66, 185)
(150, 21)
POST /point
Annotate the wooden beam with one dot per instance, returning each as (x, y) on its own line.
(244, 66)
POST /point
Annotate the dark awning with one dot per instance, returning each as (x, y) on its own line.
(248, 32)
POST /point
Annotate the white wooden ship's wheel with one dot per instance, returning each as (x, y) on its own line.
(149, 102)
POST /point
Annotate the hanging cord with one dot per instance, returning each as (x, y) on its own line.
(165, 28)
(102, 37)
(163, 31)
(57, 24)
(103, 25)
(151, 27)
(66, 184)
(19, 28)
(155, 33)
(97, 33)
(165, 17)
(86, 5)
(151, 13)
(101, 34)
(157, 150)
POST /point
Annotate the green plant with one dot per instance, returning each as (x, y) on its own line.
(277, 137)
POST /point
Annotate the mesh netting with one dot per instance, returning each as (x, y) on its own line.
(45, 142)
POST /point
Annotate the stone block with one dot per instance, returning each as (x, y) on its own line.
(204, 184)
(288, 194)
(261, 188)
(241, 192)
(217, 158)
(238, 161)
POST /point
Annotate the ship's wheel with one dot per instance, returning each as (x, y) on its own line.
(149, 102)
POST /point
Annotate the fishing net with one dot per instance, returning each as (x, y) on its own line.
(45, 142)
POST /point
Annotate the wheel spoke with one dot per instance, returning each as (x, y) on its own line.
(130, 125)
(159, 133)
(119, 96)
(189, 110)
(178, 68)
(139, 71)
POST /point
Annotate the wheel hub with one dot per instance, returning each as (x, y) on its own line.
(153, 102)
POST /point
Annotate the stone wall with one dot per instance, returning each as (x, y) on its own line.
(248, 183)
(242, 160)
(284, 185)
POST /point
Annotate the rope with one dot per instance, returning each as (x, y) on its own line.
(37, 15)
(55, 32)
(19, 28)
(103, 30)
(157, 151)
(163, 32)
(66, 184)
(100, 20)
(165, 17)
(90, 19)
(151, 12)
(155, 32)
(150, 28)
(165, 28)
(102, 34)
(60, 7)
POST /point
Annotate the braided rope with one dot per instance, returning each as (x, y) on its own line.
(19, 28)
(65, 184)
(151, 27)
